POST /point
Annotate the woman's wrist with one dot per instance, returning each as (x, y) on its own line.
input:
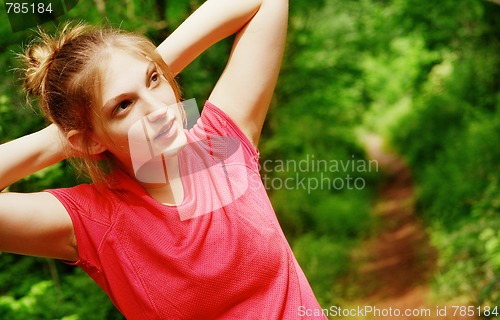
(55, 141)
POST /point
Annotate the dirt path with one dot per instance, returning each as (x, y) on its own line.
(395, 265)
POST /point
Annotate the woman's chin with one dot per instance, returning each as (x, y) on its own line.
(175, 146)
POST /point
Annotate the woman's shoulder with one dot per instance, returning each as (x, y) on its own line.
(93, 201)
(214, 122)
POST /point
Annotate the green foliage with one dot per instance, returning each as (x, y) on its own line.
(450, 137)
(75, 297)
(326, 261)
(470, 267)
(469, 165)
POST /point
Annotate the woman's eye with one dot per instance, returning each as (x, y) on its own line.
(122, 106)
(155, 77)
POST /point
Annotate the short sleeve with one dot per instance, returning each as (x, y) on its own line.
(216, 122)
(91, 218)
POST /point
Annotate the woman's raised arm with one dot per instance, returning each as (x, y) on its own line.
(28, 154)
(245, 88)
(35, 223)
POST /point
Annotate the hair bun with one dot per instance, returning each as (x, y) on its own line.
(39, 55)
(37, 59)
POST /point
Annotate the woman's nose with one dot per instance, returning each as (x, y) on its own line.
(159, 113)
(155, 110)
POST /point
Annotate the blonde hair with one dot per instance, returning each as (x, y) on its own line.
(65, 72)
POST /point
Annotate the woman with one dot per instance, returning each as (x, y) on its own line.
(180, 226)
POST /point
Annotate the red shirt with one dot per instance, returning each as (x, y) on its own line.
(220, 254)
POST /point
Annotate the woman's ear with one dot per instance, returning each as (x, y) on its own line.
(82, 146)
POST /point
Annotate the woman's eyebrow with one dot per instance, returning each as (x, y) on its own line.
(112, 101)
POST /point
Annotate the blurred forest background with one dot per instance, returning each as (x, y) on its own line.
(423, 77)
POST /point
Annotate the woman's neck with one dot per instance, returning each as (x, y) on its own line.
(172, 192)
(161, 178)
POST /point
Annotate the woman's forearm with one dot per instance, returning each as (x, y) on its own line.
(26, 155)
(210, 23)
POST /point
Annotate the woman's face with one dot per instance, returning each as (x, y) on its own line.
(140, 114)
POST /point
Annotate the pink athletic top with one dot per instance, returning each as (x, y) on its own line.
(220, 254)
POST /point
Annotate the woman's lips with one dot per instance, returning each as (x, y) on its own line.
(166, 130)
